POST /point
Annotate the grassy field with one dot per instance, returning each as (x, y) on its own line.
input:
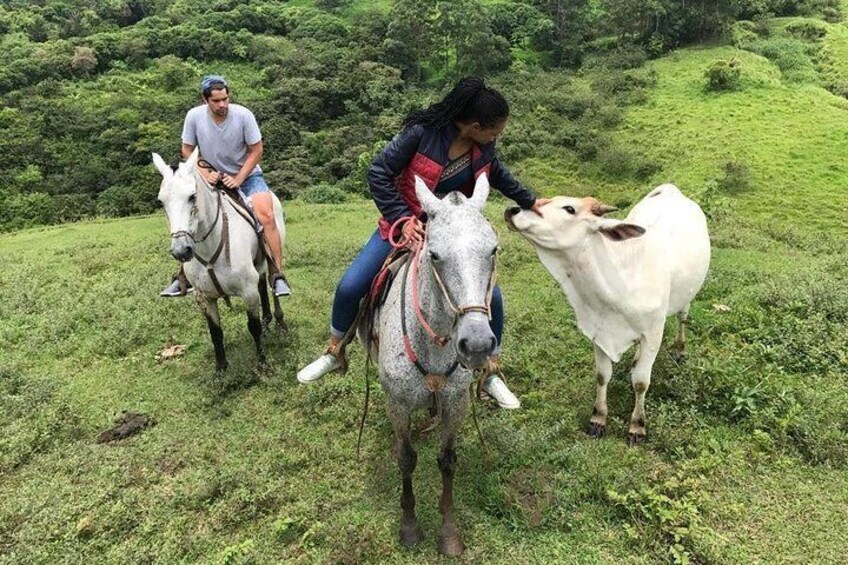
(748, 448)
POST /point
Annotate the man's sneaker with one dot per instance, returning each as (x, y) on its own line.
(281, 287)
(174, 289)
(318, 368)
(496, 388)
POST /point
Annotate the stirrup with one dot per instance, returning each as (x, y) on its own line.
(281, 286)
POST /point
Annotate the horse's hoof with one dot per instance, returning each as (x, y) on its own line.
(596, 431)
(282, 326)
(634, 439)
(410, 534)
(451, 546)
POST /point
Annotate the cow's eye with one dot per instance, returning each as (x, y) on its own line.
(569, 209)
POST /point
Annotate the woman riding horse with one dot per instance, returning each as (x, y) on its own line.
(448, 145)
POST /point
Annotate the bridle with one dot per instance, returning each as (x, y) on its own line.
(458, 311)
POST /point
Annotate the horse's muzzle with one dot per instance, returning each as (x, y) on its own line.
(182, 249)
(475, 342)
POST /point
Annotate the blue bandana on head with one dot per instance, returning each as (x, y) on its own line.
(209, 80)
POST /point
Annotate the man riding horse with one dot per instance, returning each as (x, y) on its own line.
(231, 146)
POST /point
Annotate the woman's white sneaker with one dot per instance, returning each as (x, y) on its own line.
(497, 389)
(318, 368)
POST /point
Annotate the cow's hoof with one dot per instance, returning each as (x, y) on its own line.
(634, 440)
(410, 534)
(678, 355)
(451, 546)
(596, 431)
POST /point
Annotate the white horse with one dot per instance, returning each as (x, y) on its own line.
(454, 274)
(220, 251)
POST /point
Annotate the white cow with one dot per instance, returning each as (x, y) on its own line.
(623, 278)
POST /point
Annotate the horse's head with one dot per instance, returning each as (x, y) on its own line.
(178, 195)
(461, 250)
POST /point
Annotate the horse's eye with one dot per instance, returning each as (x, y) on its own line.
(495, 251)
(435, 257)
(192, 198)
(569, 209)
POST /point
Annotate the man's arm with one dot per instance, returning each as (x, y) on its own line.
(210, 176)
(254, 155)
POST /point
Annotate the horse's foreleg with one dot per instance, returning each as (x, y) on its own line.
(254, 324)
(453, 413)
(410, 531)
(266, 305)
(213, 320)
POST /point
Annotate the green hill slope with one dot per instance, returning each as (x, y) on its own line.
(749, 437)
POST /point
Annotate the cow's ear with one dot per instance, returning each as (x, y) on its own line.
(617, 230)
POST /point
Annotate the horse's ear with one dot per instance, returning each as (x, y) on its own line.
(192, 160)
(429, 202)
(481, 192)
(161, 166)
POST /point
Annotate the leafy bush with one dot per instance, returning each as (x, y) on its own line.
(792, 57)
(723, 75)
(665, 518)
(807, 29)
(325, 194)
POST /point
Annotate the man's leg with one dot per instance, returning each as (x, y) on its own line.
(263, 208)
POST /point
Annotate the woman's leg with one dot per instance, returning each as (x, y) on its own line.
(356, 282)
(494, 385)
(497, 321)
(351, 289)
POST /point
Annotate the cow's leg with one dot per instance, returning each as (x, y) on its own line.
(603, 373)
(213, 320)
(266, 305)
(254, 323)
(410, 531)
(640, 377)
(454, 410)
(678, 350)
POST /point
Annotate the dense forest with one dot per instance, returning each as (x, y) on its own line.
(89, 88)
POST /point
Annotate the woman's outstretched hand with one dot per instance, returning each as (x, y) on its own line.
(537, 206)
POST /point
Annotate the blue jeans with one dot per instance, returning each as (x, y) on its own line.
(357, 281)
(254, 184)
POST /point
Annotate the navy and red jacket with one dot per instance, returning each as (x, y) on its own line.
(423, 151)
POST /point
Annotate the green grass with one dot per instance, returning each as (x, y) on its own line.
(749, 436)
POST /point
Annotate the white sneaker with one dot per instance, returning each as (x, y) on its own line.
(318, 368)
(497, 389)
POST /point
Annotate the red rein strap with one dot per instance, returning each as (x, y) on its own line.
(416, 248)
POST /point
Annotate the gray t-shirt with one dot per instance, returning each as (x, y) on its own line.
(225, 145)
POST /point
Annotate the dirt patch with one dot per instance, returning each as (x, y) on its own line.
(531, 493)
(128, 424)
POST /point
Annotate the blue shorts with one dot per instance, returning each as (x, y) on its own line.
(254, 184)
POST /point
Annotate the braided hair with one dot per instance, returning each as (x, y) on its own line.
(469, 100)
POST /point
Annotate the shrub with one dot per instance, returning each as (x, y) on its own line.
(806, 29)
(723, 75)
(737, 177)
(325, 194)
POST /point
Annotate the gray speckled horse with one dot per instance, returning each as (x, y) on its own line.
(459, 250)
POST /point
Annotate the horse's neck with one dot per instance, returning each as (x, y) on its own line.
(207, 209)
